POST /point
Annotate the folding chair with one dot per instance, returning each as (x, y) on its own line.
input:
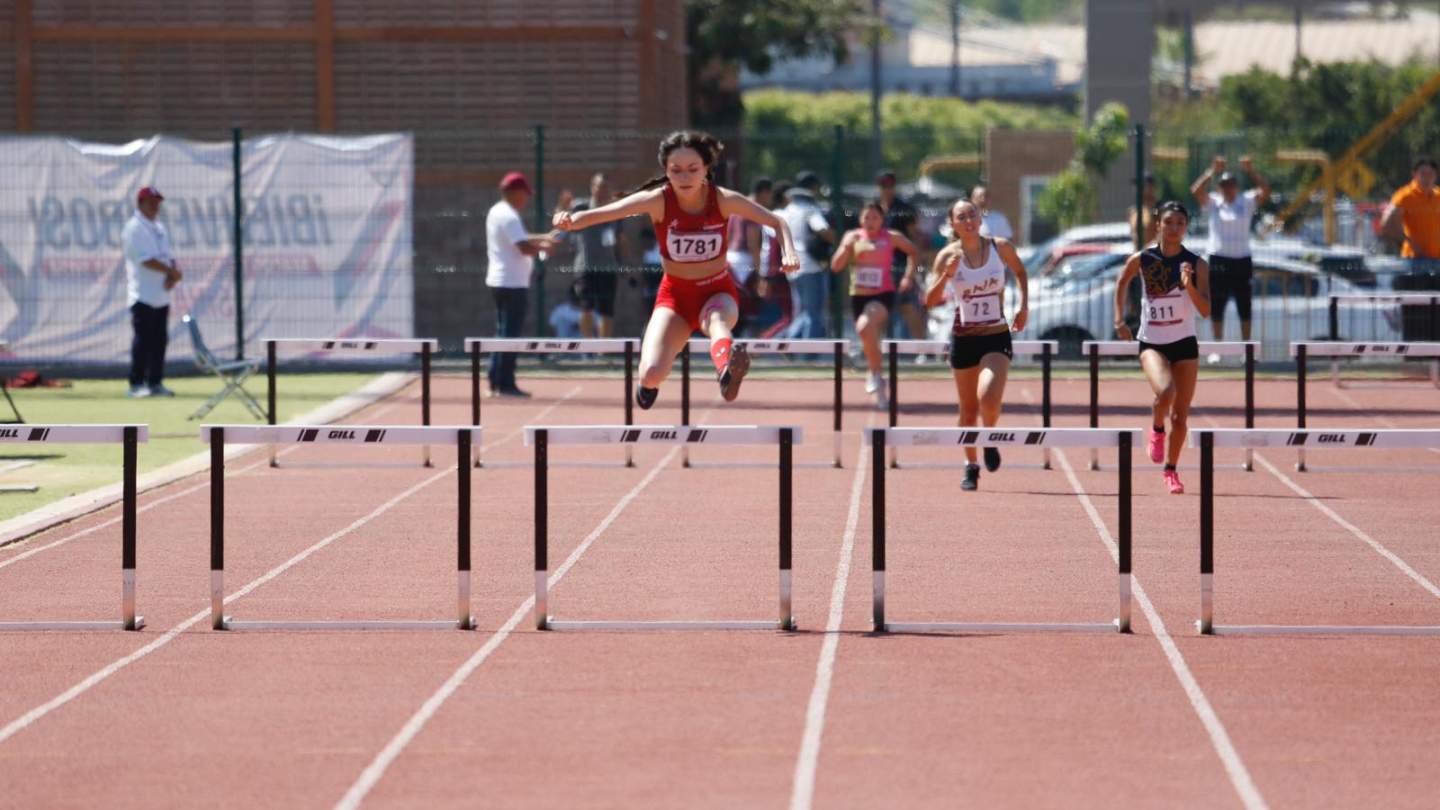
(233, 374)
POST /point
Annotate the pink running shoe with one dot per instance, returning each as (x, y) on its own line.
(1172, 482)
(1157, 446)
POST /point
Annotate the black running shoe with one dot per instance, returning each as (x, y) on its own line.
(992, 459)
(734, 372)
(972, 478)
(645, 397)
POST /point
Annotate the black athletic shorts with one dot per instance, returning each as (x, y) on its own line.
(597, 291)
(1230, 277)
(859, 302)
(966, 350)
(1183, 349)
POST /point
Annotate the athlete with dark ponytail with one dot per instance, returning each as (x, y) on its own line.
(691, 214)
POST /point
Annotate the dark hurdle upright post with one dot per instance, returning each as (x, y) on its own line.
(1124, 461)
(542, 529)
(1249, 401)
(217, 528)
(462, 539)
(425, 397)
(877, 528)
(629, 397)
(270, 392)
(787, 614)
(1301, 370)
(1207, 532)
(839, 370)
(1045, 360)
(894, 391)
(1094, 399)
(685, 398)
(475, 395)
(129, 451)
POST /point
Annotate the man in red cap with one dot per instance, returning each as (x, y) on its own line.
(150, 274)
(511, 251)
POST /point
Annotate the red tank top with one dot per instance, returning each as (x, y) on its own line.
(692, 238)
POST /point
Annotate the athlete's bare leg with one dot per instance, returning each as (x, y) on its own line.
(967, 386)
(1159, 374)
(719, 316)
(870, 326)
(587, 323)
(664, 337)
(606, 326)
(994, 371)
(1185, 373)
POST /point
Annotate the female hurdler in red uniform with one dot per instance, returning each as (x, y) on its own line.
(690, 213)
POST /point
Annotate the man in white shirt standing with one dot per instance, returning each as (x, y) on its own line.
(810, 285)
(150, 274)
(511, 251)
(1229, 214)
(993, 224)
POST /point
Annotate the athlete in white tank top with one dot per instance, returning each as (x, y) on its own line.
(978, 291)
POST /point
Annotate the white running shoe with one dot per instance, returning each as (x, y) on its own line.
(873, 383)
(1212, 358)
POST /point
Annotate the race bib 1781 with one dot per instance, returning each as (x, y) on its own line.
(694, 247)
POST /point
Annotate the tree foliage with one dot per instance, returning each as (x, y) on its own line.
(785, 132)
(726, 35)
(1071, 198)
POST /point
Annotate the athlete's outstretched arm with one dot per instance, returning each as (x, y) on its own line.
(735, 204)
(649, 202)
(1122, 292)
(946, 262)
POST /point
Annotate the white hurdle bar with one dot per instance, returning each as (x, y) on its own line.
(1095, 349)
(542, 436)
(880, 438)
(218, 435)
(1045, 349)
(629, 347)
(1415, 299)
(835, 348)
(425, 347)
(1208, 440)
(129, 437)
(1302, 351)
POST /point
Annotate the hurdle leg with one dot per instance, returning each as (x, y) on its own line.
(542, 551)
(1045, 359)
(1123, 461)
(127, 533)
(1249, 402)
(839, 409)
(1094, 400)
(629, 397)
(894, 362)
(270, 392)
(425, 400)
(787, 614)
(685, 399)
(877, 529)
(217, 528)
(1207, 534)
(464, 620)
(475, 398)
(1301, 371)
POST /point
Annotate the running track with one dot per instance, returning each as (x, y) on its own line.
(179, 715)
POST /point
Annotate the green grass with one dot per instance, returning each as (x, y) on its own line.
(62, 470)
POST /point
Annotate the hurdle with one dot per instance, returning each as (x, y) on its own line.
(1429, 300)
(835, 348)
(629, 347)
(1302, 351)
(129, 437)
(880, 438)
(360, 435)
(1095, 349)
(542, 436)
(426, 347)
(1046, 349)
(1208, 439)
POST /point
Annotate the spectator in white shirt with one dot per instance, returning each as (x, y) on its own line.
(150, 274)
(993, 224)
(810, 285)
(1229, 213)
(511, 251)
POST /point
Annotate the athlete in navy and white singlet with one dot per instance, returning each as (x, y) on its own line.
(1175, 287)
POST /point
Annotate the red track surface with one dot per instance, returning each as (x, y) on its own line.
(721, 719)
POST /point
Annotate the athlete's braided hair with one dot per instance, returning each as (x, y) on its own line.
(706, 145)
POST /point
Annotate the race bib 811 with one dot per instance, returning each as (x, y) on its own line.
(694, 247)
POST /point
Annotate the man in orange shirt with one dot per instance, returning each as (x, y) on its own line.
(1413, 217)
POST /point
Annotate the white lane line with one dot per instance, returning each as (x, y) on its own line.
(147, 507)
(802, 793)
(1219, 737)
(30, 717)
(1394, 559)
(375, 771)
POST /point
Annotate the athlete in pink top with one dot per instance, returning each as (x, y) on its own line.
(869, 252)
